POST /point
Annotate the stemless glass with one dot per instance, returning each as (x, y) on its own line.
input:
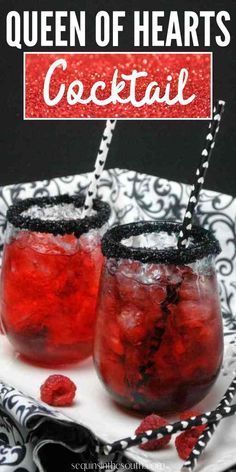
(50, 275)
(159, 334)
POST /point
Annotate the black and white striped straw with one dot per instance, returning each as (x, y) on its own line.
(205, 419)
(99, 166)
(201, 173)
(207, 434)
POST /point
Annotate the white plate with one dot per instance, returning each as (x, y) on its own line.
(97, 411)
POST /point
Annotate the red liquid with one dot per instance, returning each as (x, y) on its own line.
(158, 346)
(49, 294)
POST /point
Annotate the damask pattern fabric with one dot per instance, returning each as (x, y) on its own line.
(26, 427)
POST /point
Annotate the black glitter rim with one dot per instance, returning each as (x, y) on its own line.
(62, 227)
(205, 243)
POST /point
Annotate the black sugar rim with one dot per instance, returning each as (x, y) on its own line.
(204, 243)
(60, 227)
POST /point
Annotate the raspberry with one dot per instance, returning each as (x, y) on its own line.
(58, 390)
(186, 441)
(153, 422)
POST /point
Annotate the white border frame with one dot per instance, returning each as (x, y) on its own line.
(119, 52)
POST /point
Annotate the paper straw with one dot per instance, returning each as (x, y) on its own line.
(201, 173)
(207, 434)
(99, 166)
(205, 419)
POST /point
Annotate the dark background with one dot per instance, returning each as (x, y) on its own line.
(43, 149)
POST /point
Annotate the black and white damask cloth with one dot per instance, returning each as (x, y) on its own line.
(29, 431)
(32, 435)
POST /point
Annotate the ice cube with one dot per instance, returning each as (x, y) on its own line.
(90, 241)
(58, 212)
(148, 274)
(46, 243)
(160, 240)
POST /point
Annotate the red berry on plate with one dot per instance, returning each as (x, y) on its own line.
(153, 422)
(58, 390)
(186, 441)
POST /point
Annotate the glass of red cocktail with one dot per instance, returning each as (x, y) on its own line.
(159, 336)
(51, 268)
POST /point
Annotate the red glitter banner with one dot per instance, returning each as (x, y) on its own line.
(129, 85)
